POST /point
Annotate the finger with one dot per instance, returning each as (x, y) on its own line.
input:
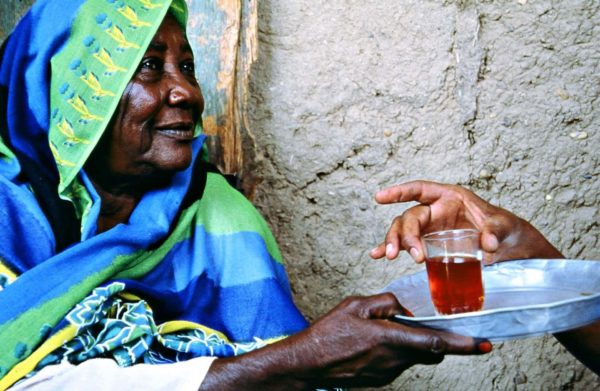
(439, 343)
(461, 345)
(489, 242)
(380, 306)
(495, 230)
(392, 239)
(419, 191)
(413, 222)
(378, 252)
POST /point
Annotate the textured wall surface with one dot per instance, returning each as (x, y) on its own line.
(348, 96)
(10, 12)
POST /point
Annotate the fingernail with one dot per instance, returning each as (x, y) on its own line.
(388, 250)
(492, 242)
(485, 347)
(495, 243)
(414, 253)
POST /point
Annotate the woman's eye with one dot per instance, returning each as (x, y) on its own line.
(150, 64)
(188, 67)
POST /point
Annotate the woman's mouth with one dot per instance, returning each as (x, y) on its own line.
(179, 131)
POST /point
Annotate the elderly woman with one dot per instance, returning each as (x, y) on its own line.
(121, 248)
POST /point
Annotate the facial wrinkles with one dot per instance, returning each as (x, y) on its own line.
(121, 122)
(146, 126)
(146, 134)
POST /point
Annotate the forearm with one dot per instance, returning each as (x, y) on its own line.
(274, 367)
(584, 344)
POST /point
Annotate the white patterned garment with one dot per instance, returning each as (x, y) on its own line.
(102, 374)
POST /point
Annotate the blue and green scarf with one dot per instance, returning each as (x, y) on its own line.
(194, 272)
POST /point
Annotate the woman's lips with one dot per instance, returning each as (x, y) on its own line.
(179, 131)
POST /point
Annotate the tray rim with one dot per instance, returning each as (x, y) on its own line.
(485, 312)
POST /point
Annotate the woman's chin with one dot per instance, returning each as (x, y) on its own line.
(158, 173)
(172, 167)
(172, 159)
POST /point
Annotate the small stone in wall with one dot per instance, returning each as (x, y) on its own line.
(578, 135)
(520, 378)
(508, 122)
(549, 197)
(485, 174)
(562, 94)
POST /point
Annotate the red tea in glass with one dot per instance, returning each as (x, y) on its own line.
(455, 284)
(453, 261)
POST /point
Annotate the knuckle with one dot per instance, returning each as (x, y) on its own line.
(437, 345)
(405, 242)
(458, 191)
(408, 241)
(397, 221)
(351, 301)
(387, 297)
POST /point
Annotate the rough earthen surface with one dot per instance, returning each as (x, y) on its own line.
(500, 96)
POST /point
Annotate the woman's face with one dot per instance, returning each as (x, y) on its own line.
(152, 130)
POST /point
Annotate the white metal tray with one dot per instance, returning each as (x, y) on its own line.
(523, 298)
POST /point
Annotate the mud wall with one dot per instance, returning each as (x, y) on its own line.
(349, 96)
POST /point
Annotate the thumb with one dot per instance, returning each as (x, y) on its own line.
(382, 306)
(495, 230)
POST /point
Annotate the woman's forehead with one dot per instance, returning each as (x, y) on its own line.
(169, 31)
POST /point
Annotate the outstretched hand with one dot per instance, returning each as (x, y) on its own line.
(441, 207)
(354, 345)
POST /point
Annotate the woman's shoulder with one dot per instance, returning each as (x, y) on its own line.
(224, 210)
(226, 206)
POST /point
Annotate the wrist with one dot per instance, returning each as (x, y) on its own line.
(273, 367)
(537, 246)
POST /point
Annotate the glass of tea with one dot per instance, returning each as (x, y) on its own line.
(454, 269)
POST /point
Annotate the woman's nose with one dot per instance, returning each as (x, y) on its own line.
(183, 92)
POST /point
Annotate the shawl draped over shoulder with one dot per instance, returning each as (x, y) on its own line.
(195, 270)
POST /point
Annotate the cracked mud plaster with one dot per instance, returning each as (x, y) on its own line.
(502, 96)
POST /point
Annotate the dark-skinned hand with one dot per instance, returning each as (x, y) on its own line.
(355, 344)
(504, 236)
(441, 207)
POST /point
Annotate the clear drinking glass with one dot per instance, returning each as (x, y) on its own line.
(454, 269)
